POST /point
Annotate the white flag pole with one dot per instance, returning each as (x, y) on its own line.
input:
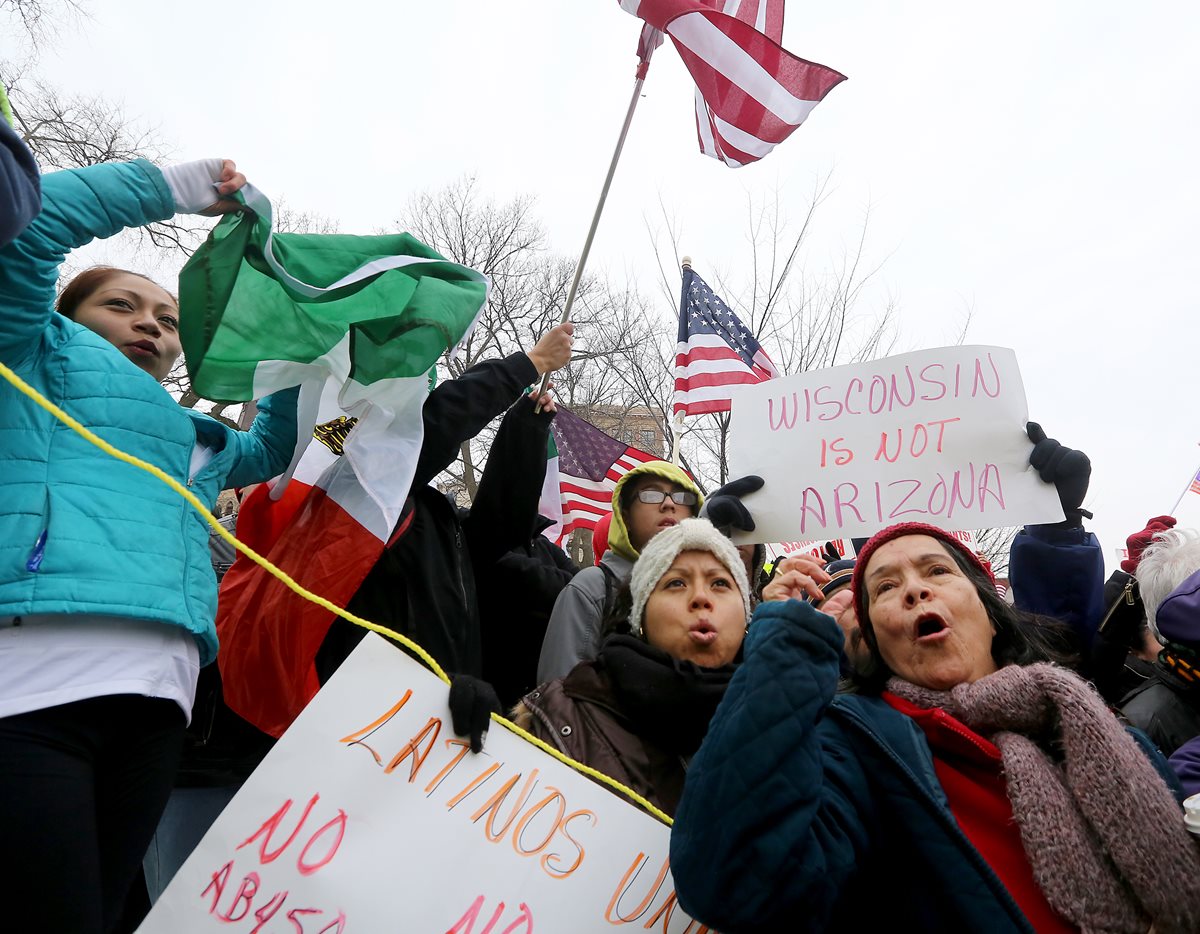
(1184, 491)
(685, 263)
(643, 66)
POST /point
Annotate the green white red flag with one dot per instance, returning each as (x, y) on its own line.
(358, 323)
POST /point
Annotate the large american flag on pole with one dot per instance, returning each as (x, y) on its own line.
(752, 93)
(715, 351)
(590, 463)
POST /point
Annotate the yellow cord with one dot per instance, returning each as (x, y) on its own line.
(25, 389)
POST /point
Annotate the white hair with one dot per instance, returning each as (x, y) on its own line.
(1170, 559)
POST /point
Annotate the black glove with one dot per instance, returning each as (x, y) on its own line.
(725, 508)
(472, 703)
(1069, 470)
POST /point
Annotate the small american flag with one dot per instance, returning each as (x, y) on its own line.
(715, 351)
(1195, 487)
(752, 93)
(590, 463)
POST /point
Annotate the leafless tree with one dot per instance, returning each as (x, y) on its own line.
(806, 315)
(995, 544)
(529, 284)
(68, 131)
(38, 19)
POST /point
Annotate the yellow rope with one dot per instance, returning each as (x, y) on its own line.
(25, 389)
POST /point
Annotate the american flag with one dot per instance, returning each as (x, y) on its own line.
(751, 92)
(715, 351)
(590, 463)
(1195, 487)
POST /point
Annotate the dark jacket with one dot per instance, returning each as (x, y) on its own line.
(1113, 667)
(20, 185)
(1186, 762)
(516, 596)
(1166, 707)
(423, 586)
(806, 812)
(580, 716)
(1059, 572)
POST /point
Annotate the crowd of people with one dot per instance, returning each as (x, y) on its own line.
(843, 742)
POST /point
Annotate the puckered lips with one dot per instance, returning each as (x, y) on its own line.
(930, 629)
(142, 349)
(703, 632)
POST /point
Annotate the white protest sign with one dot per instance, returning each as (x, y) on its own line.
(936, 436)
(813, 549)
(843, 546)
(370, 815)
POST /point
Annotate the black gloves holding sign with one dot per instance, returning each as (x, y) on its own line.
(725, 508)
(472, 703)
(1069, 470)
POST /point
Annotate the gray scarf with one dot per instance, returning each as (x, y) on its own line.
(1102, 832)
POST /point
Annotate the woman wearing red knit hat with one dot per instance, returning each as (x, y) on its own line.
(969, 784)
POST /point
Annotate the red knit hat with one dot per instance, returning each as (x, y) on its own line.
(600, 536)
(1140, 541)
(899, 530)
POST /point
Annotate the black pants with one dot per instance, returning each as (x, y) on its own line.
(82, 787)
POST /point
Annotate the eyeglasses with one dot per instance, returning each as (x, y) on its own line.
(679, 497)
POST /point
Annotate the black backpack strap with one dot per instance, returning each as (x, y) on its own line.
(610, 590)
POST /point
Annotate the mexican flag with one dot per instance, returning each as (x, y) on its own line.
(550, 502)
(358, 323)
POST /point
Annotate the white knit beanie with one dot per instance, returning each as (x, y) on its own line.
(660, 553)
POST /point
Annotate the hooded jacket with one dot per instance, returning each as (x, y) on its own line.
(573, 634)
(82, 533)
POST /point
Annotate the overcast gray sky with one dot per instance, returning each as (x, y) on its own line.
(1034, 162)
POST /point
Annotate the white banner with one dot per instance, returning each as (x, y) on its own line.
(843, 546)
(370, 815)
(814, 549)
(936, 436)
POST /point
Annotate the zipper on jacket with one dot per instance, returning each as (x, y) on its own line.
(34, 561)
(1126, 595)
(943, 815)
(961, 729)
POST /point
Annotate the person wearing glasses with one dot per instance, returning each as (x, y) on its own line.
(650, 498)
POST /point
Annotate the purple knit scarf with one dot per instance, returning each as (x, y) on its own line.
(1102, 832)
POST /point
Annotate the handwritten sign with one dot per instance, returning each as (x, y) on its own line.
(936, 436)
(370, 815)
(813, 549)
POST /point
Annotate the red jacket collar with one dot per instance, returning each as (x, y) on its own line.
(945, 733)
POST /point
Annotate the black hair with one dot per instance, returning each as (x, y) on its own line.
(616, 616)
(1021, 638)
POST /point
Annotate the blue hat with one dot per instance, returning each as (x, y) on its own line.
(1178, 617)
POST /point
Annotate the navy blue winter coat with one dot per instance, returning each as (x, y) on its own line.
(1060, 573)
(806, 812)
(20, 185)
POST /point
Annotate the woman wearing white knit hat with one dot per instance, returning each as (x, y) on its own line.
(639, 711)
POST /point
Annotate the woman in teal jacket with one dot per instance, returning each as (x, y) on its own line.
(107, 595)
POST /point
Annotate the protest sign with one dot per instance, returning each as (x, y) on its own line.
(370, 815)
(813, 549)
(935, 436)
(843, 546)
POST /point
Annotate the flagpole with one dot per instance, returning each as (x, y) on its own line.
(591, 234)
(1184, 492)
(685, 263)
